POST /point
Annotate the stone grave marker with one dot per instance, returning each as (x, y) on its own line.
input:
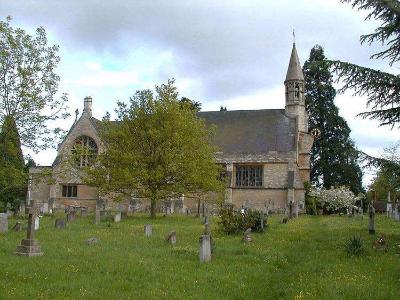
(171, 237)
(60, 224)
(205, 248)
(388, 209)
(18, 227)
(84, 212)
(71, 215)
(92, 241)
(29, 246)
(247, 235)
(3, 222)
(97, 217)
(37, 222)
(148, 230)
(262, 221)
(117, 217)
(371, 224)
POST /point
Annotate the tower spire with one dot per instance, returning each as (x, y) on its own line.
(294, 71)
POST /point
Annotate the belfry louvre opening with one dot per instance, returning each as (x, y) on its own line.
(249, 176)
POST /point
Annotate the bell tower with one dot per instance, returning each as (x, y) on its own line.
(294, 92)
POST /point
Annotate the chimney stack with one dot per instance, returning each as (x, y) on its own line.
(87, 107)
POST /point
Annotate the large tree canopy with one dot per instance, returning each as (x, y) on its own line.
(158, 148)
(29, 85)
(333, 159)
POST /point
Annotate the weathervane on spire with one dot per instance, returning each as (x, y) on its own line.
(294, 37)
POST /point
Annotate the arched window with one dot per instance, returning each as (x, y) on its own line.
(85, 151)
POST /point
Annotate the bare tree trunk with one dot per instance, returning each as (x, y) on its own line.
(153, 207)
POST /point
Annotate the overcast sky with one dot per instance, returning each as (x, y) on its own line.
(230, 53)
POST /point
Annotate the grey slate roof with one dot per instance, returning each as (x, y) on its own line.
(252, 131)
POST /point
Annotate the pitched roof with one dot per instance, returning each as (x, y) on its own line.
(294, 71)
(252, 131)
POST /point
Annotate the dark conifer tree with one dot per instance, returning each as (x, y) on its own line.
(333, 157)
(13, 172)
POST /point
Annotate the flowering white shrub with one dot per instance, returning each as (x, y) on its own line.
(336, 198)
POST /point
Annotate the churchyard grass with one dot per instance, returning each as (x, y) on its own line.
(304, 259)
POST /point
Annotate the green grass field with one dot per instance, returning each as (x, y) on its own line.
(304, 259)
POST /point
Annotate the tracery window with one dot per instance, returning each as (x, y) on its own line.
(249, 175)
(85, 151)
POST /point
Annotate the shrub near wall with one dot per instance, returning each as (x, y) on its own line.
(233, 221)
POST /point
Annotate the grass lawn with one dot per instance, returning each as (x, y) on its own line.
(304, 259)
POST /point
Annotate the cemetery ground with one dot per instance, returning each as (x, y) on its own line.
(304, 259)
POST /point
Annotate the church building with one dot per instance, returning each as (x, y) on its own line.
(266, 154)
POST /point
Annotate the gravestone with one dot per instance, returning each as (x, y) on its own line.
(247, 235)
(262, 221)
(205, 248)
(396, 212)
(29, 246)
(97, 217)
(71, 216)
(371, 224)
(117, 217)
(205, 220)
(18, 227)
(171, 237)
(84, 212)
(389, 209)
(148, 230)
(60, 224)
(37, 222)
(295, 210)
(92, 241)
(3, 222)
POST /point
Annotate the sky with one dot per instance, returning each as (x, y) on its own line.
(233, 53)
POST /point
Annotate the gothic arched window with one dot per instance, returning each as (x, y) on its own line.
(85, 151)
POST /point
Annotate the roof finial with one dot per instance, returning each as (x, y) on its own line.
(294, 37)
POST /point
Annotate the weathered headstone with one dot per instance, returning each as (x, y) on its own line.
(148, 230)
(3, 222)
(37, 222)
(295, 210)
(247, 235)
(18, 227)
(60, 224)
(97, 217)
(84, 212)
(389, 209)
(396, 211)
(29, 246)
(262, 221)
(171, 237)
(71, 215)
(117, 217)
(205, 248)
(371, 224)
(92, 241)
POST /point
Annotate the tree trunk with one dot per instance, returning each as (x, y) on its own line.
(153, 208)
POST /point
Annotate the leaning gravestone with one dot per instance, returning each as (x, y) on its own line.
(3, 222)
(247, 235)
(171, 237)
(205, 248)
(148, 230)
(117, 217)
(37, 222)
(60, 224)
(371, 214)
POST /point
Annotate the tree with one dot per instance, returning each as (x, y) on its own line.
(13, 173)
(29, 85)
(156, 149)
(194, 105)
(382, 89)
(333, 158)
(336, 199)
(387, 179)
